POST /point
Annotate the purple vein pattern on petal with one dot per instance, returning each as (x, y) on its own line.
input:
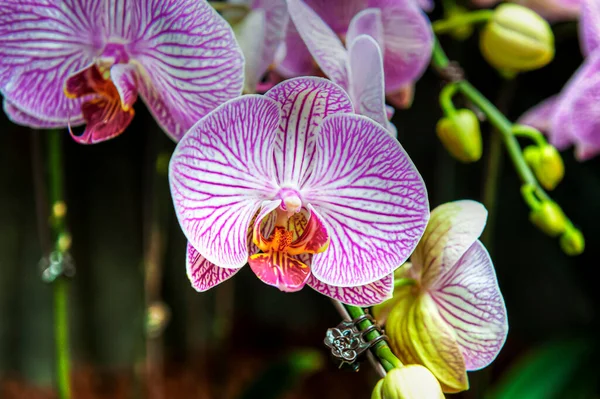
(589, 26)
(540, 116)
(372, 200)
(366, 22)
(367, 88)
(41, 43)
(469, 299)
(322, 42)
(190, 62)
(20, 117)
(337, 14)
(220, 173)
(202, 274)
(304, 102)
(364, 295)
(408, 41)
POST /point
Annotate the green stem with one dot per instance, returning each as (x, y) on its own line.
(490, 188)
(530, 133)
(381, 349)
(458, 21)
(60, 284)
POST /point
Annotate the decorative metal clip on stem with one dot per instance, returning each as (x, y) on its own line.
(348, 343)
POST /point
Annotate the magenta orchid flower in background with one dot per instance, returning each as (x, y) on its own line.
(453, 319)
(552, 10)
(399, 27)
(572, 117)
(69, 62)
(259, 35)
(329, 197)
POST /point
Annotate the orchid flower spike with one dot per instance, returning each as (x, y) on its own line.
(400, 29)
(260, 34)
(572, 118)
(552, 10)
(453, 318)
(70, 62)
(301, 188)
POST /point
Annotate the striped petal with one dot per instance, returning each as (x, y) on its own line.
(366, 22)
(221, 172)
(371, 197)
(322, 42)
(125, 80)
(589, 26)
(42, 42)
(367, 86)
(202, 274)
(469, 300)
(452, 230)
(190, 62)
(364, 295)
(20, 117)
(408, 40)
(304, 102)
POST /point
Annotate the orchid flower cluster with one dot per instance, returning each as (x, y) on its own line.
(306, 182)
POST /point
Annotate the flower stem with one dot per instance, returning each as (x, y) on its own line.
(60, 284)
(458, 21)
(490, 188)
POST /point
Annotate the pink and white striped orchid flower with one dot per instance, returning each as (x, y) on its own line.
(69, 62)
(453, 319)
(399, 27)
(572, 117)
(301, 188)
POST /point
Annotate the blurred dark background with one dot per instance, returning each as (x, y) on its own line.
(245, 339)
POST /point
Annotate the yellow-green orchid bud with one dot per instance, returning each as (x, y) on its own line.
(572, 242)
(446, 321)
(517, 39)
(547, 165)
(549, 218)
(409, 382)
(461, 136)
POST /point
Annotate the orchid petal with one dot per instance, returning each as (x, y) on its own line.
(584, 151)
(589, 26)
(426, 5)
(408, 40)
(304, 102)
(124, 79)
(585, 118)
(20, 117)
(366, 22)
(280, 270)
(121, 18)
(367, 88)
(190, 62)
(41, 43)
(322, 42)
(276, 20)
(250, 34)
(403, 97)
(451, 231)
(364, 295)
(202, 274)
(258, 238)
(433, 344)
(105, 119)
(372, 198)
(469, 299)
(220, 173)
(293, 58)
(337, 14)
(540, 116)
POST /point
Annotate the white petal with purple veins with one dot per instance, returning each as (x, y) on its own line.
(371, 198)
(324, 45)
(41, 43)
(469, 300)
(125, 80)
(367, 86)
(221, 172)
(190, 62)
(22, 118)
(366, 22)
(202, 274)
(364, 295)
(304, 102)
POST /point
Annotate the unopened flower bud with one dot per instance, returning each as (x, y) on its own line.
(461, 136)
(547, 165)
(549, 218)
(409, 382)
(572, 242)
(517, 39)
